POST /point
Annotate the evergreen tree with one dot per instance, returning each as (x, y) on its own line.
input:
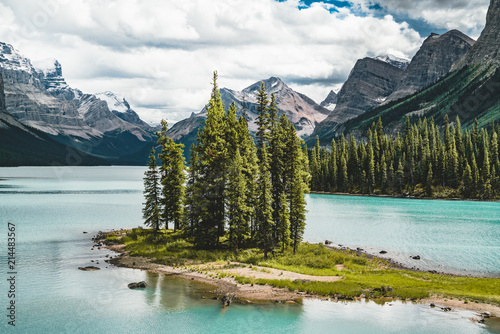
(237, 206)
(172, 179)
(262, 119)
(297, 201)
(209, 170)
(264, 212)
(152, 192)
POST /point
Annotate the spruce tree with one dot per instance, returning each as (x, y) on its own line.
(238, 211)
(209, 170)
(172, 178)
(152, 193)
(264, 212)
(297, 200)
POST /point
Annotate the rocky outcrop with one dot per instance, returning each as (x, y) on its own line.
(370, 82)
(433, 60)
(331, 101)
(486, 51)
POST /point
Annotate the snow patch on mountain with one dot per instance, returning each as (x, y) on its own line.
(114, 102)
(395, 61)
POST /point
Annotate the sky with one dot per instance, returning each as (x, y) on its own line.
(160, 54)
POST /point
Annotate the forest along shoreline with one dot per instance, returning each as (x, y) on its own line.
(248, 283)
(400, 196)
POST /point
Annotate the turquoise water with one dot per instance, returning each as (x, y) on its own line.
(449, 236)
(51, 207)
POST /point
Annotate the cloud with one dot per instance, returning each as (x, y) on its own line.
(466, 16)
(160, 54)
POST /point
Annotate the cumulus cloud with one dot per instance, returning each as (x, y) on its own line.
(160, 54)
(466, 16)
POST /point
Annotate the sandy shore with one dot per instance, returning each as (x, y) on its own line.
(222, 278)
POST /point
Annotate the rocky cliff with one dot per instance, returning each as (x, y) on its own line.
(331, 101)
(370, 82)
(486, 51)
(433, 60)
(38, 96)
(21, 145)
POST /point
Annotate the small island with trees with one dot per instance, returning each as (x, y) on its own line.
(238, 213)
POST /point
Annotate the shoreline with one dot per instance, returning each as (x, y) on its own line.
(222, 277)
(454, 199)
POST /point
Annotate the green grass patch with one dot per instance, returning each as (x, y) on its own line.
(360, 275)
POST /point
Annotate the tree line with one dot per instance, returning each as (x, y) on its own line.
(422, 161)
(235, 193)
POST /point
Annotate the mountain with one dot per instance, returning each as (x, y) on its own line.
(433, 60)
(303, 112)
(21, 145)
(401, 63)
(121, 108)
(331, 101)
(471, 90)
(486, 50)
(38, 96)
(370, 82)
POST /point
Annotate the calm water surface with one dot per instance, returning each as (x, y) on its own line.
(51, 208)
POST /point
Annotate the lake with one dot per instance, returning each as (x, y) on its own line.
(52, 207)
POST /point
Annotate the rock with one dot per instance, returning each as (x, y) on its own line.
(85, 232)
(417, 257)
(89, 268)
(432, 305)
(137, 285)
(328, 242)
(446, 309)
(486, 314)
(383, 252)
(227, 299)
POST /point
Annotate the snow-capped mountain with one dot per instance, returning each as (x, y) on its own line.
(399, 62)
(38, 96)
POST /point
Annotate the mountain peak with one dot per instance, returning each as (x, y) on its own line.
(399, 62)
(114, 102)
(11, 59)
(331, 101)
(273, 85)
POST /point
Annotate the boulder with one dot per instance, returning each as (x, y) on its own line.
(416, 257)
(383, 252)
(137, 285)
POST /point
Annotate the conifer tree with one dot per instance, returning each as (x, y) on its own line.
(152, 193)
(262, 119)
(172, 179)
(264, 212)
(297, 200)
(237, 206)
(209, 172)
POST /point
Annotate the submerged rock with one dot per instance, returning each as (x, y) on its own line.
(137, 285)
(417, 257)
(89, 268)
(383, 252)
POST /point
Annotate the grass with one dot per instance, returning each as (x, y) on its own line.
(360, 275)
